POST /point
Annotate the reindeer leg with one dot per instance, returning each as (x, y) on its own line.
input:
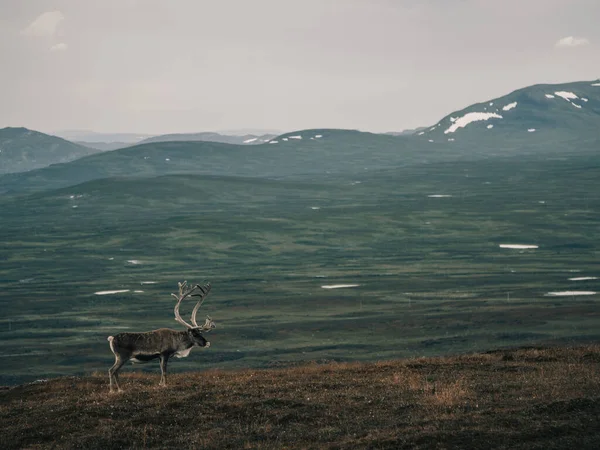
(164, 359)
(113, 373)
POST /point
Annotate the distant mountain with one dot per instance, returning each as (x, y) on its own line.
(565, 110)
(245, 131)
(539, 120)
(406, 132)
(104, 146)
(22, 150)
(211, 137)
(96, 137)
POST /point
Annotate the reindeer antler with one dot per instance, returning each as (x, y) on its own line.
(204, 290)
(185, 292)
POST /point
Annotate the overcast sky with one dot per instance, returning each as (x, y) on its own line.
(157, 66)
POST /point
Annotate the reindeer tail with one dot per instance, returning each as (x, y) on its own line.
(110, 342)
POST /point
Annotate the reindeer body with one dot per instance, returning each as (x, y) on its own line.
(150, 345)
(159, 344)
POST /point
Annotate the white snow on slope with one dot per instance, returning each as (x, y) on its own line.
(295, 137)
(531, 130)
(490, 126)
(339, 286)
(583, 278)
(596, 84)
(509, 106)
(584, 99)
(247, 141)
(465, 120)
(575, 105)
(566, 95)
(111, 292)
(518, 246)
(549, 96)
(569, 293)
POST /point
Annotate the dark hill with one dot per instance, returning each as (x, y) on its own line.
(22, 150)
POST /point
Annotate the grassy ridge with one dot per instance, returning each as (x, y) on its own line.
(528, 398)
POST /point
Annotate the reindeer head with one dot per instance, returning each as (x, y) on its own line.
(196, 337)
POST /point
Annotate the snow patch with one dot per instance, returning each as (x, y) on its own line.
(518, 246)
(147, 282)
(490, 126)
(583, 278)
(339, 286)
(566, 95)
(469, 118)
(450, 139)
(247, 141)
(549, 96)
(569, 293)
(296, 137)
(439, 196)
(509, 106)
(421, 133)
(318, 136)
(575, 105)
(531, 130)
(111, 292)
(315, 207)
(273, 142)
(584, 99)
(134, 261)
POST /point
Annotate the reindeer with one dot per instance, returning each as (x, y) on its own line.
(164, 342)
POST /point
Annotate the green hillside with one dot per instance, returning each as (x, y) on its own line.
(422, 243)
(22, 150)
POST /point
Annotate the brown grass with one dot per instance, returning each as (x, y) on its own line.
(527, 398)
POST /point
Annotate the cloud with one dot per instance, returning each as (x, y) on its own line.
(571, 41)
(45, 24)
(61, 47)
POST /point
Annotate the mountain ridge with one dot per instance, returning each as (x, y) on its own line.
(574, 107)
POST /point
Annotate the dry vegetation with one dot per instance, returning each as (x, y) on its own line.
(525, 398)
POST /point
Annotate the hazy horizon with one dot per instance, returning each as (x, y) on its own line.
(151, 67)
